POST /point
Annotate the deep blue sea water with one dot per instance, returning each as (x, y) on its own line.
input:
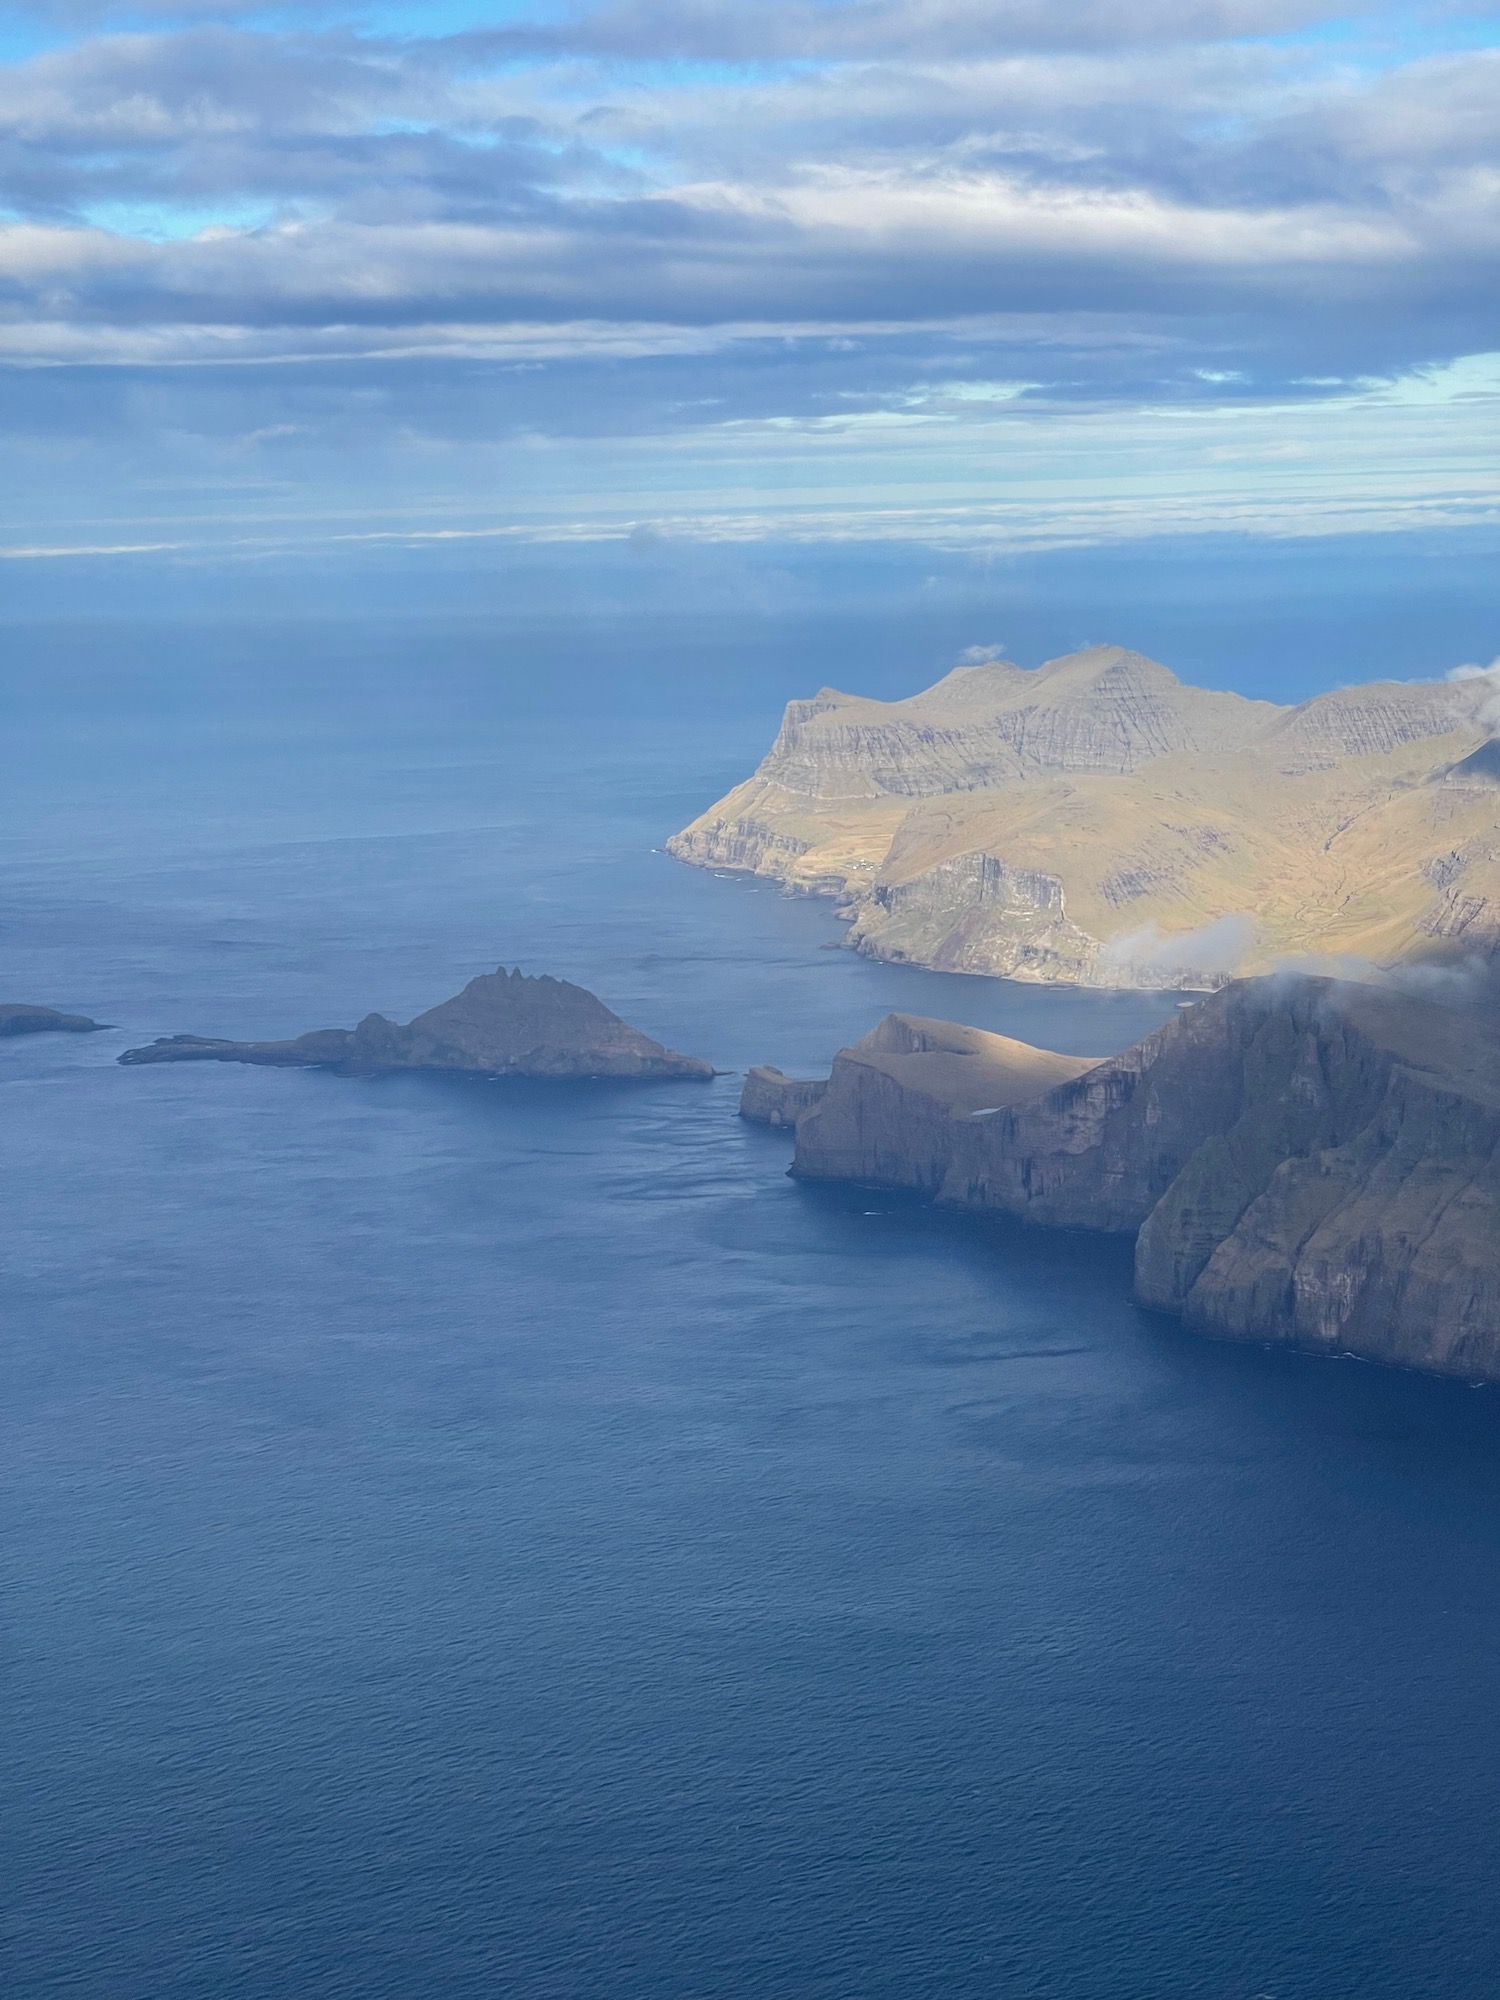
(510, 1540)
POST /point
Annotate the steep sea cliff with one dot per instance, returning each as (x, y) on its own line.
(1303, 1161)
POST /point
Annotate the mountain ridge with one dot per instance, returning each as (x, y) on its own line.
(1096, 821)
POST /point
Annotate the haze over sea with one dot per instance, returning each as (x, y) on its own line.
(479, 1540)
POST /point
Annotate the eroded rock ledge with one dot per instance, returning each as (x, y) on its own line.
(1301, 1161)
(502, 1024)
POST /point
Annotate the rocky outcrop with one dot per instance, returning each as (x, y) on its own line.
(502, 1024)
(769, 1098)
(1095, 822)
(976, 913)
(17, 1019)
(898, 1102)
(1301, 1161)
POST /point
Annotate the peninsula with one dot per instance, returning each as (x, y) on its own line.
(18, 1019)
(1096, 822)
(1301, 1161)
(502, 1024)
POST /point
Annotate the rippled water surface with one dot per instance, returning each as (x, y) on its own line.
(509, 1540)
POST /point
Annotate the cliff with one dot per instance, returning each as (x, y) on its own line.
(1096, 822)
(769, 1098)
(1301, 1161)
(502, 1024)
(17, 1019)
(888, 1112)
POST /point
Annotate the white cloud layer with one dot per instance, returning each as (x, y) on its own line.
(394, 180)
(897, 255)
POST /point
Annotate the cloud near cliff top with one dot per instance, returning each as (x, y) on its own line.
(1489, 714)
(1215, 949)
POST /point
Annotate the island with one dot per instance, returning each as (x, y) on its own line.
(1096, 822)
(1300, 1161)
(501, 1024)
(19, 1019)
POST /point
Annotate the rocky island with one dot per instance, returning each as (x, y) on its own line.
(502, 1024)
(19, 1019)
(1301, 1161)
(1096, 822)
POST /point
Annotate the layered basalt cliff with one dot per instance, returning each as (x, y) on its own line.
(1096, 822)
(502, 1024)
(1302, 1161)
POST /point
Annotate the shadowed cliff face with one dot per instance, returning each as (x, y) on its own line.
(1096, 822)
(502, 1024)
(1300, 1160)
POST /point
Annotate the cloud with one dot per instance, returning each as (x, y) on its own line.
(1183, 958)
(348, 170)
(1469, 981)
(728, 30)
(884, 261)
(981, 656)
(928, 29)
(1489, 712)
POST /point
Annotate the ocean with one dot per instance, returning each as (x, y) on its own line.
(502, 1539)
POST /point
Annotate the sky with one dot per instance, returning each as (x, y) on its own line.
(966, 280)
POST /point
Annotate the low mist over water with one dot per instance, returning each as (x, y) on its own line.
(479, 1539)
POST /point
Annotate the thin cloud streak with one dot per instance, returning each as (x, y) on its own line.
(727, 30)
(1383, 462)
